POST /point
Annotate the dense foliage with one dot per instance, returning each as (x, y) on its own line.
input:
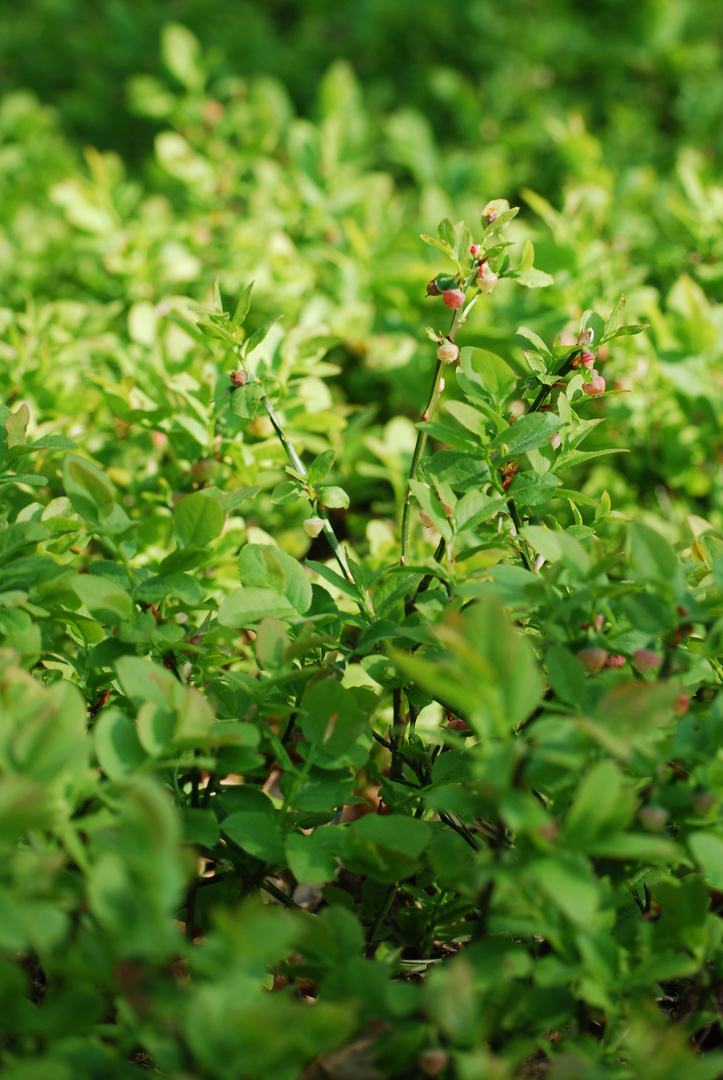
(359, 683)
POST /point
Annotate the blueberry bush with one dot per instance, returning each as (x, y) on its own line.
(361, 586)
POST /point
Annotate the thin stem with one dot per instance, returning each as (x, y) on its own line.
(381, 914)
(436, 392)
(298, 466)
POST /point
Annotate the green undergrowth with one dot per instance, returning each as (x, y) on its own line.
(358, 705)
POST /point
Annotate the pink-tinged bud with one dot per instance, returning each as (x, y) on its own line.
(313, 526)
(587, 359)
(475, 250)
(448, 352)
(453, 298)
(703, 803)
(555, 440)
(586, 337)
(433, 1061)
(595, 387)
(486, 281)
(653, 818)
(646, 660)
(433, 289)
(493, 215)
(593, 659)
(615, 660)
(680, 707)
(456, 723)
(598, 622)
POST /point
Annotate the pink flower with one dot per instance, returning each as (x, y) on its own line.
(453, 298)
(555, 440)
(615, 660)
(585, 337)
(596, 386)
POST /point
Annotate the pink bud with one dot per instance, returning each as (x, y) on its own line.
(448, 352)
(587, 359)
(598, 622)
(453, 298)
(593, 659)
(555, 440)
(596, 386)
(646, 660)
(458, 724)
(585, 337)
(475, 250)
(615, 660)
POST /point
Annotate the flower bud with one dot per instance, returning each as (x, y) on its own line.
(703, 802)
(475, 250)
(486, 281)
(440, 283)
(433, 1061)
(596, 386)
(593, 659)
(646, 660)
(587, 359)
(448, 352)
(653, 818)
(493, 215)
(586, 337)
(453, 298)
(555, 440)
(680, 706)
(615, 660)
(238, 378)
(313, 526)
(599, 622)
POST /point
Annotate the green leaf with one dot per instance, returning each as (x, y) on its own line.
(603, 804)
(200, 827)
(242, 307)
(181, 54)
(527, 433)
(256, 833)
(557, 546)
(651, 555)
(488, 373)
(532, 279)
(566, 675)
(257, 337)
(19, 535)
(16, 425)
(263, 566)
(116, 744)
(245, 399)
(245, 607)
(707, 850)
(311, 858)
(385, 848)
(332, 497)
(571, 888)
(198, 519)
(320, 466)
(158, 588)
(332, 722)
(90, 492)
(529, 489)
